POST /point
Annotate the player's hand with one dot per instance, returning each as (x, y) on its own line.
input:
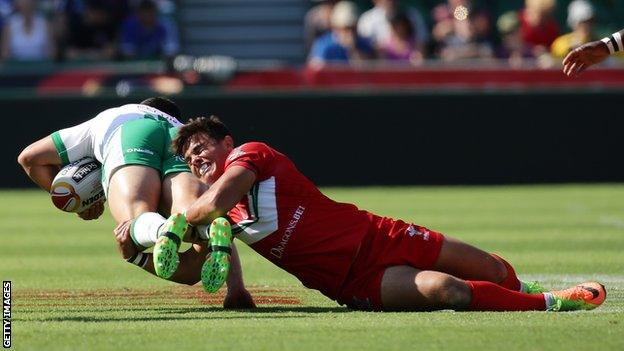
(93, 212)
(238, 298)
(584, 56)
(124, 241)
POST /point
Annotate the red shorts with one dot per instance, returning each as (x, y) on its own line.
(389, 243)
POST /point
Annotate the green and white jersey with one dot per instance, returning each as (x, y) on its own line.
(127, 135)
(91, 137)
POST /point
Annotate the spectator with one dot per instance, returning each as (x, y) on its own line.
(512, 46)
(118, 10)
(167, 10)
(581, 20)
(6, 9)
(461, 31)
(317, 21)
(537, 25)
(342, 44)
(93, 34)
(375, 25)
(144, 36)
(401, 46)
(26, 35)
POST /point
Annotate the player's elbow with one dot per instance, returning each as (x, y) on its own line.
(26, 158)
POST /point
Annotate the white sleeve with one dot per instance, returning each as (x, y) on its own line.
(74, 143)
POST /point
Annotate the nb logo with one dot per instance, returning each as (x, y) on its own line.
(412, 231)
(235, 153)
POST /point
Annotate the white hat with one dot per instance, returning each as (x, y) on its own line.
(344, 14)
(579, 11)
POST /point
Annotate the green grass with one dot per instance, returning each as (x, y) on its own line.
(71, 291)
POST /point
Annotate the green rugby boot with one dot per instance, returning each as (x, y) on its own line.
(215, 269)
(533, 288)
(166, 258)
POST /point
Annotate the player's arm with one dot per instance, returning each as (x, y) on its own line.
(41, 162)
(237, 295)
(221, 197)
(592, 53)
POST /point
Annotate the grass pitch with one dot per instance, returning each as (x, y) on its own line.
(71, 290)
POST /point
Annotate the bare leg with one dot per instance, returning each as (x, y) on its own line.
(179, 191)
(133, 190)
(468, 262)
(404, 288)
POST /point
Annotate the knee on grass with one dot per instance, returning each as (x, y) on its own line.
(446, 292)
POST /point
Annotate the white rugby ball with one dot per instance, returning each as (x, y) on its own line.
(78, 185)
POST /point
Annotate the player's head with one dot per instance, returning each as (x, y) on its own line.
(164, 105)
(205, 143)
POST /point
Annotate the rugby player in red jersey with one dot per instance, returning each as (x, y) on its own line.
(352, 256)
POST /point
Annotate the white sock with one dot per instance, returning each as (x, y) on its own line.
(144, 229)
(550, 300)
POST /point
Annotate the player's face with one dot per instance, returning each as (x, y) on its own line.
(206, 156)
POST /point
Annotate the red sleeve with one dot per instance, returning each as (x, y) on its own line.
(256, 157)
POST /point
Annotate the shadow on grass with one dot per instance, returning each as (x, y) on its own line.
(261, 309)
(86, 319)
(178, 314)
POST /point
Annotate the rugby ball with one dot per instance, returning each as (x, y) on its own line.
(78, 185)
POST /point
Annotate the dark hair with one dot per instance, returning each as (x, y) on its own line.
(147, 5)
(211, 126)
(163, 104)
(400, 18)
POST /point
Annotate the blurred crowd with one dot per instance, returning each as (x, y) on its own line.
(386, 31)
(87, 30)
(336, 32)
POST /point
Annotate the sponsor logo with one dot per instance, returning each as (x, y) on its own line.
(238, 152)
(412, 231)
(6, 314)
(84, 171)
(139, 150)
(157, 115)
(93, 199)
(278, 251)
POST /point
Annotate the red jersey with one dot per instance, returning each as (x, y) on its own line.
(286, 219)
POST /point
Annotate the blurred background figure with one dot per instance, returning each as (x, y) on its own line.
(462, 31)
(27, 35)
(374, 24)
(317, 21)
(581, 21)
(343, 44)
(145, 36)
(512, 47)
(167, 16)
(88, 30)
(538, 27)
(402, 44)
(6, 9)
